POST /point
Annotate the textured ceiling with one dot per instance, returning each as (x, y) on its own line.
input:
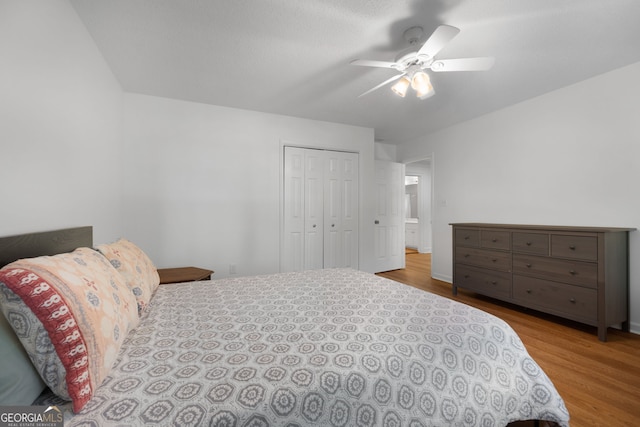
(292, 57)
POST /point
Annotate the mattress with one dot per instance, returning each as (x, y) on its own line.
(334, 347)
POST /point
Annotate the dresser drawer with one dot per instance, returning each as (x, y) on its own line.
(574, 272)
(574, 247)
(467, 237)
(531, 243)
(487, 282)
(494, 239)
(484, 258)
(573, 302)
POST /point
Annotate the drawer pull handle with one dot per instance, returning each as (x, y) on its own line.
(572, 247)
(528, 265)
(572, 300)
(493, 282)
(466, 255)
(466, 276)
(494, 260)
(494, 240)
(528, 243)
(528, 291)
(466, 237)
(573, 272)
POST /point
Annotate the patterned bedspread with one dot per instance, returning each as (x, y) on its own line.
(327, 348)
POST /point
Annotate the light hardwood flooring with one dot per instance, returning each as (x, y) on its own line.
(599, 382)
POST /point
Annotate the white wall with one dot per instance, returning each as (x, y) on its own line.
(60, 123)
(570, 157)
(195, 185)
(203, 183)
(386, 152)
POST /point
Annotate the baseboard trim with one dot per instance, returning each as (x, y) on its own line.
(448, 279)
(635, 328)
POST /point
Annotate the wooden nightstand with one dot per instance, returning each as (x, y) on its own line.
(183, 274)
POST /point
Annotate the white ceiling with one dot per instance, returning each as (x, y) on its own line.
(292, 57)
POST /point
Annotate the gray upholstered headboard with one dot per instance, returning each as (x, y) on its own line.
(44, 243)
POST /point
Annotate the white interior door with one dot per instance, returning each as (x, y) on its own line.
(341, 210)
(389, 218)
(320, 209)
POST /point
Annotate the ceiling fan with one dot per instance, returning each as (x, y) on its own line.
(412, 63)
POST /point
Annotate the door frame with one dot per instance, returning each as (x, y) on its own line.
(425, 202)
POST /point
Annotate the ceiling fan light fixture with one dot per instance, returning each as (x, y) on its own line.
(421, 83)
(401, 87)
(428, 94)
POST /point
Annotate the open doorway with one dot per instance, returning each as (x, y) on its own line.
(418, 206)
(411, 215)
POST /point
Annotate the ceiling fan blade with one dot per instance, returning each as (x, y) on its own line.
(368, 63)
(386, 82)
(463, 64)
(440, 37)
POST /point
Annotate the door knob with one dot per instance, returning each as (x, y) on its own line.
(376, 222)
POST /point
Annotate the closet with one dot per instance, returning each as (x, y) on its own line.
(320, 212)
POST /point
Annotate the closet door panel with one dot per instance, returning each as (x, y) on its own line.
(332, 252)
(293, 239)
(349, 210)
(313, 251)
(350, 249)
(314, 209)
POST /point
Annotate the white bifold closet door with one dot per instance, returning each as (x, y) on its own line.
(320, 209)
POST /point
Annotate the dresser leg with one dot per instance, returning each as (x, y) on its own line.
(626, 326)
(602, 333)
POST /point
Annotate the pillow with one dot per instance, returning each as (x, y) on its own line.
(86, 310)
(135, 266)
(20, 382)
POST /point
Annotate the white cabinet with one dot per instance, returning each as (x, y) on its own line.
(411, 234)
(320, 225)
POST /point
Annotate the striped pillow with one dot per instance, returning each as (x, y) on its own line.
(84, 306)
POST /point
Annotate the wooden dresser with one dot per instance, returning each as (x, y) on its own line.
(579, 273)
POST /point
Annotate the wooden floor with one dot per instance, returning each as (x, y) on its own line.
(599, 382)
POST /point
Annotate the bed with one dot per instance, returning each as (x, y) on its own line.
(335, 347)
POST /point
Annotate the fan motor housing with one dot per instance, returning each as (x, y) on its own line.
(413, 35)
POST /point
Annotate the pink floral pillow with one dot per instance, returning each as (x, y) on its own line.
(135, 266)
(86, 309)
